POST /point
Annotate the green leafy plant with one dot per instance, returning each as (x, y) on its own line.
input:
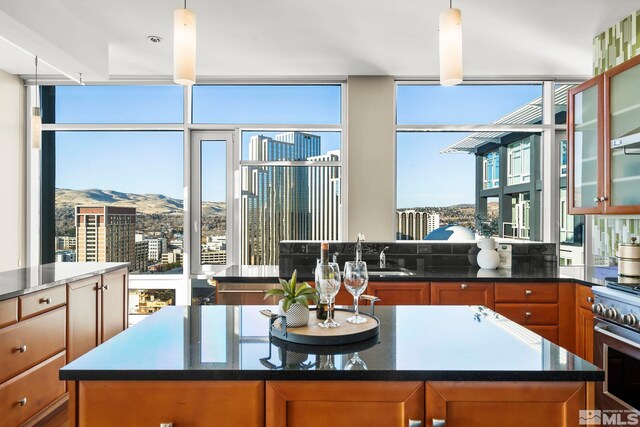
(486, 226)
(293, 292)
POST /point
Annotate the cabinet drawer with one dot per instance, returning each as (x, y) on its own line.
(39, 302)
(545, 331)
(183, 403)
(585, 296)
(37, 388)
(526, 292)
(28, 343)
(530, 314)
(8, 312)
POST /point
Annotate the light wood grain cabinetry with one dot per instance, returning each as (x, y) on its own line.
(476, 404)
(182, 403)
(462, 293)
(96, 311)
(341, 403)
(32, 350)
(400, 293)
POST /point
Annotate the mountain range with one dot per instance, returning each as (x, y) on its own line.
(149, 204)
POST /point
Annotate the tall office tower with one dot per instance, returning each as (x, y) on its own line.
(105, 234)
(324, 198)
(414, 225)
(156, 248)
(141, 260)
(275, 199)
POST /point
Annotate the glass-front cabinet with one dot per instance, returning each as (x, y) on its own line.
(604, 142)
(622, 156)
(586, 165)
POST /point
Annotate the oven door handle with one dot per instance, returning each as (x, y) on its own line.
(617, 337)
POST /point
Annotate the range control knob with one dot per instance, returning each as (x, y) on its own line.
(597, 309)
(629, 320)
(611, 313)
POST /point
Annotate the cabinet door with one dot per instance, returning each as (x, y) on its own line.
(182, 403)
(83, 312)
(465, 293)
(622, 113)
(522, 404)
(398, 293)
(586, 149)
(114, 306)
(584, 326)
(343, 403)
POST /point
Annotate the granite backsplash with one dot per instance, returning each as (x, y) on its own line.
(416, 256)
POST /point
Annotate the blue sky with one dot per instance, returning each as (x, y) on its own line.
(151, 162)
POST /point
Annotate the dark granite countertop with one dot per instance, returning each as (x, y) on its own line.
(594, 276)
(22, 281)
(416, 343)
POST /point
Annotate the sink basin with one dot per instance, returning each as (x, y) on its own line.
(388, 272)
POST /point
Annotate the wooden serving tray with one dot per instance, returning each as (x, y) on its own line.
(312, 334)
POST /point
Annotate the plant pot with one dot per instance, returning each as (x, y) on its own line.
(297, 315)
(488, 258)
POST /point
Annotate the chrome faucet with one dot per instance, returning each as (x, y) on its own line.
(383, 258)
(335, 257)
(359, 241)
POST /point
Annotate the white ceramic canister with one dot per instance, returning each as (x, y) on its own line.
(629, 259)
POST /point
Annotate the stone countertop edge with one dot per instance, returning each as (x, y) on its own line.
(71, 278)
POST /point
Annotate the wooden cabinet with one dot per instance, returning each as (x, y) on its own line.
(182, 403)
(531, 404)
(96, 311)
(584, 323)
(462, 293)
(343, 403)
(604, 112)
(32, 350)
(400, 293)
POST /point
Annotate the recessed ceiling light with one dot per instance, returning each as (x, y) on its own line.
(154, 39)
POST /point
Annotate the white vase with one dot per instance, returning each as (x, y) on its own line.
(488, 258)
(297, 315)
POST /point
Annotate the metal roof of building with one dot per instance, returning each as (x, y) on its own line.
(527, 114)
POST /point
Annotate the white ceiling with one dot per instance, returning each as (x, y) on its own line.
(301, 38)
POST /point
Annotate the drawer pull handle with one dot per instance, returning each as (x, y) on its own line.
(528, 292)
(527, 314)
(589, 299)
(415, 423)
(438, 423)
(22, 349)
(105, 287)
(463, 286)
(166, 424)
(45, 300)
(22, 401)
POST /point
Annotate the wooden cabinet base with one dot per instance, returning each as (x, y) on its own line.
(343, 403)
(530, 404)
(183, 403)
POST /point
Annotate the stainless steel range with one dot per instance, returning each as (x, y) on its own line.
(617, 343)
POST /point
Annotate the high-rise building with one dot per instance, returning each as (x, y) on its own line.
(65, 243)
(141, 261)
(324, 198)
(414, 225)
(156, 248)
(105, 234)
(276, 199)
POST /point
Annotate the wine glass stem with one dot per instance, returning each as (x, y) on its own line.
(355, 304)
(329, 316)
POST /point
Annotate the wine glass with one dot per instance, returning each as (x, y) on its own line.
(355, 363)
(356, 279)
(328, 284)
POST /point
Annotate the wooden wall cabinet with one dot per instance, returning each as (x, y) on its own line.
(343, 403)
(96, 311)
(530, 404)
(462, 293)
(603, 179)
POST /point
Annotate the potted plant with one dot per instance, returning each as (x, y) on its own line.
(488, 257)
(294, 304)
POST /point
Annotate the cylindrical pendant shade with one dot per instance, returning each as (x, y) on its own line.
(36, 128)
(184, 47)
(450, 47)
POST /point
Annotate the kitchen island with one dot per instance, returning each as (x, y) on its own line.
(215, 365)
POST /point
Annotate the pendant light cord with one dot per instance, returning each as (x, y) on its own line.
(185, 4)
(37, 81)
(450, 4)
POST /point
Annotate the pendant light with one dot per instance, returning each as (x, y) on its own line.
(450, 46)
(184, 46)
(36, 118)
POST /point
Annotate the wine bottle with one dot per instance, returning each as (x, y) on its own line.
(323, 306)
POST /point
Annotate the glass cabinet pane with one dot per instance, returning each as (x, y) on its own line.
(625, 121)
(585, 140)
